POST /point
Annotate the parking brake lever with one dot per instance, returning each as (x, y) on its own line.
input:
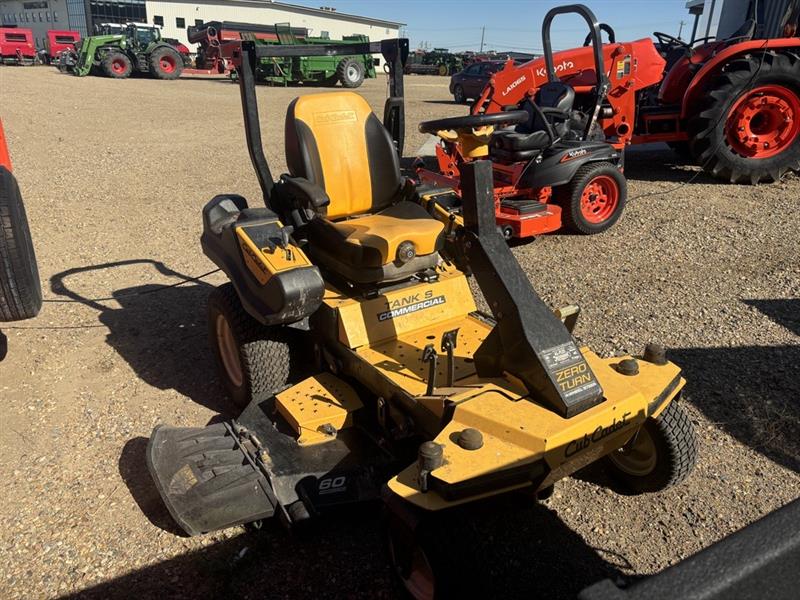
(449, 342)
(429, 356)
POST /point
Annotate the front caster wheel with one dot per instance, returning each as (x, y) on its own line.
(661, 455)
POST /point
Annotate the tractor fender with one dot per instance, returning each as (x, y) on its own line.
(559, 167)
(711, 68)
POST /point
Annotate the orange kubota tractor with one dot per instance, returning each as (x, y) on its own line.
(730, 105)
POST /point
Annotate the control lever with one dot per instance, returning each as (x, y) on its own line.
(429, 356)
(449, 342)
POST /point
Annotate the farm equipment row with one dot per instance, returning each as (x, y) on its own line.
(350, 71)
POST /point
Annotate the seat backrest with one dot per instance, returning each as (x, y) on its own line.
(553, 94)
(556, 94)
(335, 141)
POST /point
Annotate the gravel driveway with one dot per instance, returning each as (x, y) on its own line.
(114, 174)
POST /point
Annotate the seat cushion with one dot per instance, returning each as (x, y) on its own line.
(364, 249)
(511, 140)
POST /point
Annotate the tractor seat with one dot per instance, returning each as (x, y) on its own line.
(528, 139)
(361, 227)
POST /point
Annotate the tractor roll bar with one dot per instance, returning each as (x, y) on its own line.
(245, 57)
(603, 85)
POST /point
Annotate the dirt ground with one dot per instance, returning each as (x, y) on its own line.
(114, 174)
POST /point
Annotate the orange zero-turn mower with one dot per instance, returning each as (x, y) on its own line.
(729, 105)
(552, 165)
(415, 396)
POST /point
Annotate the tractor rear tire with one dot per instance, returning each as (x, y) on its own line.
(20, 288)
(254, 360)
(351, 73)
(165, 63)
(116, 65)
(663, 454)
(594, 199)
(755, 98)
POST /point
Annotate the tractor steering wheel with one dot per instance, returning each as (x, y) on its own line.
(666, 39)
(612, 38)
(512, 117)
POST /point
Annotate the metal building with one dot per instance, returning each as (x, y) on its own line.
(175, 16)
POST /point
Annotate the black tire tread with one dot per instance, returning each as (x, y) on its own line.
(676, 445)
(264, 351)
(109, 72)
(341, 73)
(155, 68)
(569, 197)
(706, 128)
(20, 288)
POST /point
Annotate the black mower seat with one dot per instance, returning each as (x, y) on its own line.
(363, 229)
(528, 139)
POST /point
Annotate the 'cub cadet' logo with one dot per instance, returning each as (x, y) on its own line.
(514, 84)
(566, 64)
(334, 116)
(598, 434)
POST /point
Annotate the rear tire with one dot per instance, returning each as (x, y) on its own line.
(254, 360)
(351, 73)
(594, 199)
(663, 455)
(165, 63)
(20, 288)
(116, 65)
(458, 95)
(750, 98)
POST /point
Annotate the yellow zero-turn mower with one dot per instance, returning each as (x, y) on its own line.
(415, 395)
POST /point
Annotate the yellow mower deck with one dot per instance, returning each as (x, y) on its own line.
(521, 437)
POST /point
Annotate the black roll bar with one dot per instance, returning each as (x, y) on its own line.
(603, 85)
(394, 51)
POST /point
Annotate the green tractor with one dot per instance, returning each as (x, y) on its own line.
(350, 71)
(119, 50)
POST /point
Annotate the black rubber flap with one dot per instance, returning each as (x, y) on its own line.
(207, 478)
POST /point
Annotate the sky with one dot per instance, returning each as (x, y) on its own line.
(514, 24)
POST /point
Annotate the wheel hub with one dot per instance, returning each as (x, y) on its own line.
(637, 457)
(599, 199)
(764, 122)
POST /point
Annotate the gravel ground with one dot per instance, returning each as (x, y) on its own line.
(114, 174)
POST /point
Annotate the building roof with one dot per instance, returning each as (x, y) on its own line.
(308, 10)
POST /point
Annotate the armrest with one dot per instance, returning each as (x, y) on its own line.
(304, 193)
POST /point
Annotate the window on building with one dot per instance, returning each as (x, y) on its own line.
(180, 22)
(157, 20)
(47, 16)
(34, 5)
(55, 16)
(198, 22)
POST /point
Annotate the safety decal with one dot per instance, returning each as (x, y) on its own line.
(572, 373)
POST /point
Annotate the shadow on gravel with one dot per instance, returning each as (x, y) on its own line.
(520, 552)
(159, 330)
(751, 392)
(133, 470)
(784, 312)
(657, 162)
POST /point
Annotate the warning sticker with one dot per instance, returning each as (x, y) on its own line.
(572, 374)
